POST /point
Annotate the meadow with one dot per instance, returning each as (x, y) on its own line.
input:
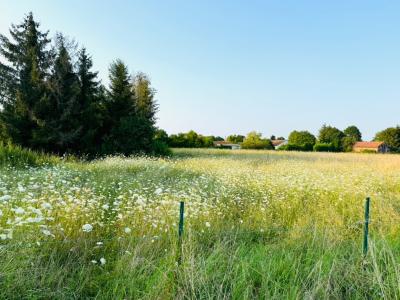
(258, 224)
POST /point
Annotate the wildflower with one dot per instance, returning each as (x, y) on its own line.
(47, 232)
(19, 210)
(208, 224)
(127, 230)
(105, 206)
(87, 228)
(103, 261)
(94, 262)
(158, 191)
(5, 198)
(46, 205)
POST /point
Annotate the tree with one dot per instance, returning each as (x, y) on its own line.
(90, 100)
(146, 109)
(391, 136)
(235, 139)
(331, 135)
(161, 135)
(27, 60)
(60, 110)
(353, 132)
(352, 135)
(254, 140)
(302, 139)
(121, 122)
(145, 103)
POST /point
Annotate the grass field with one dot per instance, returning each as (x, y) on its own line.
(258, 224)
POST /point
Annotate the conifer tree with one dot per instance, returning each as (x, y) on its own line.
(60, 110)
(91, 98)
(27, 60)
(121, 121)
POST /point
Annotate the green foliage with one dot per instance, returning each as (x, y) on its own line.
(301, 141)
(235, 138)
(352, 135)
(325, 147)
(161, 135)
(254, 140)
(348, 143)
(51, 100)
(353, 132)
(191, 139)
(331, 135)
(91, 101)
(16, 156)
(391, 136)
(295, 147)
(59, 129)
(24, 73)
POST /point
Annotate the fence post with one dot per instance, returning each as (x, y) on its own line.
(180, 230)
(365, 244)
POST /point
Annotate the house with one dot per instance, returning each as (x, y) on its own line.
(379, 147)
(226, 145)
(279, 143)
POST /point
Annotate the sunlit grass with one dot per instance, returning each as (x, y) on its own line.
(258, 224)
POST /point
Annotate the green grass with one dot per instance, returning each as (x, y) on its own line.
(259, 225)
(17, 156)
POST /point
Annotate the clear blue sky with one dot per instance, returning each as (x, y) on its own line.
(224, 67)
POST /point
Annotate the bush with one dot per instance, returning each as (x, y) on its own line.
(161, 148)
(325, 147)
(295, 147)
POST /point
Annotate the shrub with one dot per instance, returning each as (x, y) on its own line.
(161, 148)
(324, 147)
(295, 147)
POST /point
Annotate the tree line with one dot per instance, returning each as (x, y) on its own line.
(329, 139)
(52, 100)
(332, 139)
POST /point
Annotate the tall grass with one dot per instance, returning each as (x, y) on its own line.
(20, 157)
(258, 225)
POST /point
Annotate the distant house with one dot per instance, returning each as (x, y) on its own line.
(379, 147)
(279, 143)
(226, 145)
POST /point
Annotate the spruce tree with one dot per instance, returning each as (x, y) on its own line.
(60, 110)
(24, 71)
(90, 99)
(121, 120)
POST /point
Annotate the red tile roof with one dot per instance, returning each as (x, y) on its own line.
(370, 145)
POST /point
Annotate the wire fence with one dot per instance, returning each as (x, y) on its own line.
(360, 227)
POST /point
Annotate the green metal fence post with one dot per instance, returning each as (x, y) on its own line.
(365, 244)
(180, 230)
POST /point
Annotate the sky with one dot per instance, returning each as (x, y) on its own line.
(230, 67)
